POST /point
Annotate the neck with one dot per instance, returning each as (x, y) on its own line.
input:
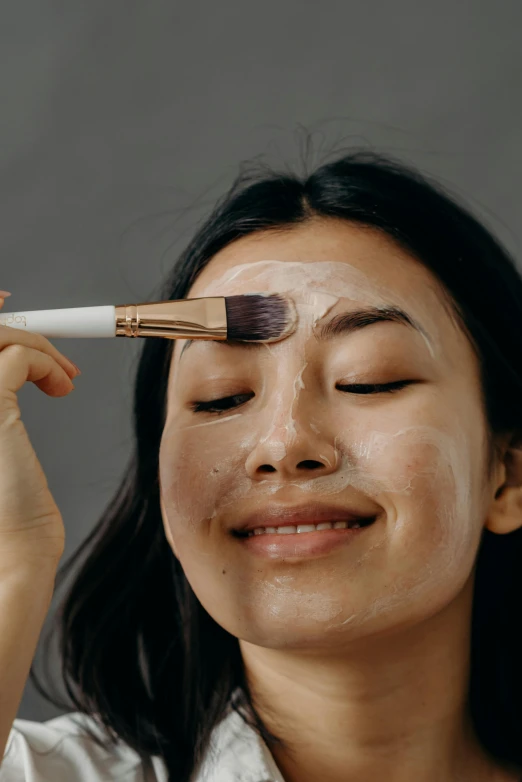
(391, 707)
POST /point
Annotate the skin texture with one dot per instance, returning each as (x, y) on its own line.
(358, 658)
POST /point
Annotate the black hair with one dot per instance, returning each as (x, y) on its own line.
(133, 637)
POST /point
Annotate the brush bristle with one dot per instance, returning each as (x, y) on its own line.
(259, 318)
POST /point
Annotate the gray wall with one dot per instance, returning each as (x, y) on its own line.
(122, 122)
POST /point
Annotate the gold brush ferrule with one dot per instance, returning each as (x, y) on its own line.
(204, 318)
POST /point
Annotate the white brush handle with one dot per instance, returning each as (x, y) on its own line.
(71, 322)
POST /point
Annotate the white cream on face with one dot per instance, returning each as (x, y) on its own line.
(418, 463)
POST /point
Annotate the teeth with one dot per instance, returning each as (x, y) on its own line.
(291, 529)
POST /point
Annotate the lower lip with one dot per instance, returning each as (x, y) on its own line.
(301, 544)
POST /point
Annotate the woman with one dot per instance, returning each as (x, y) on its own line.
(387, 651)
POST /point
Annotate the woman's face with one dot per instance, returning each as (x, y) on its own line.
(294, 433)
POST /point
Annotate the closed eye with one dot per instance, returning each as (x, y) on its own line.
(221, 405)
(367, 388)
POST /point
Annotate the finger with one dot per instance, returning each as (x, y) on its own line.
(19, 364)
(11, 336)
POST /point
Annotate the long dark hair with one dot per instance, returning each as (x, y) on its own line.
(133, 637)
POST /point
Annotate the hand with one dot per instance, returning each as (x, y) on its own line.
(32, 534)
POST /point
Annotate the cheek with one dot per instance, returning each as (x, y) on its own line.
(200, 466)
(428, 479)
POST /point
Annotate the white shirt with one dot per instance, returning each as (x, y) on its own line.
(58, 751)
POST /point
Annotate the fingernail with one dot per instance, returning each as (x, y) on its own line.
(76, 367)
(4, 294)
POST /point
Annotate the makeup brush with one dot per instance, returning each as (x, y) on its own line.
(247, 318)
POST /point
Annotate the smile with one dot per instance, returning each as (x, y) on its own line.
(304, 528)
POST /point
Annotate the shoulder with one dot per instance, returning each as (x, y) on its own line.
(63, 751)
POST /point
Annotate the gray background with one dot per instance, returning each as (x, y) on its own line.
(122, 122)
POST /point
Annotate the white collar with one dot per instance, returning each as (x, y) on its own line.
(237, 754)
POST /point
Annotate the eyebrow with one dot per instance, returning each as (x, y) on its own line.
(347, 323)
(226, 342)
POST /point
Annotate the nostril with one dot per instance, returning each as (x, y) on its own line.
(266, 468)
(309, 464)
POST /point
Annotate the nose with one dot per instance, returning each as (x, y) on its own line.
(292, 453)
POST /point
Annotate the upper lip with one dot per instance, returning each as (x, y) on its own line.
(309, 513)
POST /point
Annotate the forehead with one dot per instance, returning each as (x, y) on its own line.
(333, 259)
(362, 256)
(330, 259)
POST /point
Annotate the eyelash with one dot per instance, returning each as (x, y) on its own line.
(212, 406)
(206, 407)
(388, 388)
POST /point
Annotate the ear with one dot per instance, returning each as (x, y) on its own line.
(166, 525)
(505, 513)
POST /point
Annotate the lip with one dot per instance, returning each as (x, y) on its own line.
(309, 513)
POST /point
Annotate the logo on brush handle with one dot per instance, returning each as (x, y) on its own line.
(5, 320)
